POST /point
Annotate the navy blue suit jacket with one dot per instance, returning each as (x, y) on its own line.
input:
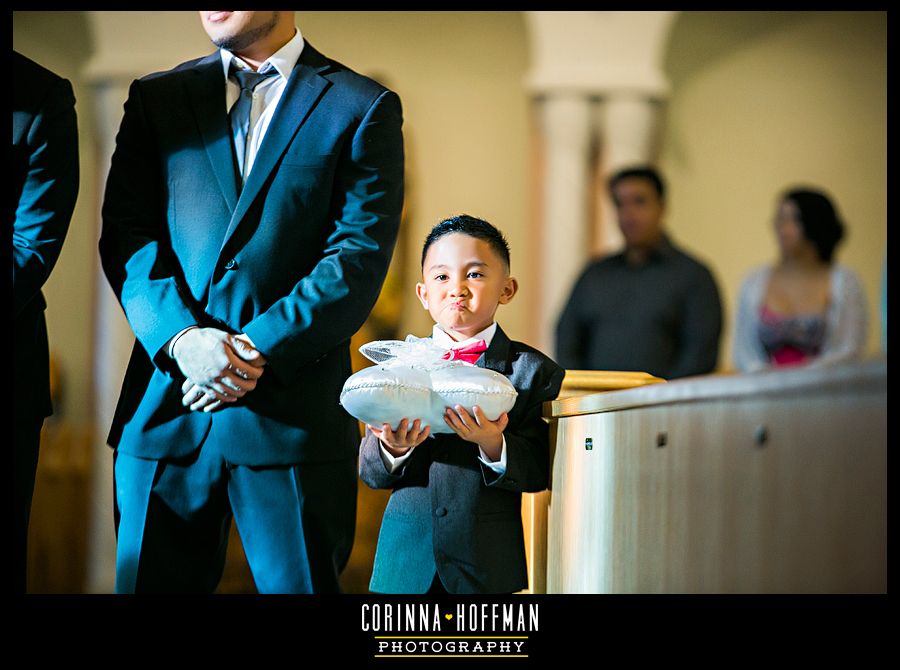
(449, 512)
(44, 182)
(295, 259)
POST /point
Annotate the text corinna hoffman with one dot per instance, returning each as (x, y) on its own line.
(458, 618)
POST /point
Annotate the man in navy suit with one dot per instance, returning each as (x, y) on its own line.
(245, 254)
(45, 186)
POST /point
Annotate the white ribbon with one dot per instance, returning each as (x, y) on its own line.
(415, 352)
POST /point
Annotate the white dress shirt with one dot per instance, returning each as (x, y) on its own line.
(266, 95)
(442, 339)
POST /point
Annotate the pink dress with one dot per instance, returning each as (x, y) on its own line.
(790, 340)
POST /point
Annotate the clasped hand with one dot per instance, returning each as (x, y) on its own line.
(219, 367)
(475, 427)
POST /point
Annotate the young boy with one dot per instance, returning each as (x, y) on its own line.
(453, 522)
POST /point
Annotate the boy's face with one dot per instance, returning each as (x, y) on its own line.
(464, 280)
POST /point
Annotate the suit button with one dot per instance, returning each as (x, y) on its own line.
(440, 511)
(231, 264)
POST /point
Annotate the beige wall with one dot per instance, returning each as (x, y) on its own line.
(764, 100)
(759, 100)
(459, 75)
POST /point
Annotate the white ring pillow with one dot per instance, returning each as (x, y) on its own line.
(413, 381)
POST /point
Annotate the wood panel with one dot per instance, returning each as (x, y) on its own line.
(576, 383)
(769, 483)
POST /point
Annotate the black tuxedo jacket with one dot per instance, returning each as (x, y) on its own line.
(451, 513)
(295, 259)
(44, 180)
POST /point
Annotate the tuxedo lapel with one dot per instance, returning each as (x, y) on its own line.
(207, 94)
(302, 92)
(497, 355)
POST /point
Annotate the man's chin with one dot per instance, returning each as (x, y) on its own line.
(239, 35)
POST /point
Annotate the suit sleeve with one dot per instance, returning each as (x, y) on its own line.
(528, 445)
(48, 194)
(701, 327)
(135, 248)
(331, 303)
(372, 469)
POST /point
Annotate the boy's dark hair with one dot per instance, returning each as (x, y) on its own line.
(641, 172)
(473, 227)
(819, 220)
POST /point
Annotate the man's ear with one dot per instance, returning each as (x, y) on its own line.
(422, 293)
(510, 288)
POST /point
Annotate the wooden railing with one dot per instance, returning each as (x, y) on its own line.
(772, 482)
(535, 505)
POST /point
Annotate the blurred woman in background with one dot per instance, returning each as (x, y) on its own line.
(805, 308)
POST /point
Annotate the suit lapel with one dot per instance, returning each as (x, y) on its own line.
(302, 92)
(497, 355)
(207, 95)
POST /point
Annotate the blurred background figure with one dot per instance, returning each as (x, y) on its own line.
(650, 308)
(44, 188)
(805, 308)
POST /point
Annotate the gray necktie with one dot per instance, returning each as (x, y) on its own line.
(239, 116)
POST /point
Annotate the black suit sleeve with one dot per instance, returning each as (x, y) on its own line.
(135, 248)
(701, 327)
(371, 466)
(332, 302)
(528, 444)
(48, 195)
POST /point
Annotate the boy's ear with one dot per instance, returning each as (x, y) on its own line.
(422, 293)
(510, 288)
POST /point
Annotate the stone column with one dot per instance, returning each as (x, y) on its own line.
(606, 65)
(627, 124)
(566, 123)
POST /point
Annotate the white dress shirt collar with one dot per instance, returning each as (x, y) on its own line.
(282, 60)
(442, 339)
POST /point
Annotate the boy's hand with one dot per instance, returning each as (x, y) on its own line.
(479, 429)
(397, 444)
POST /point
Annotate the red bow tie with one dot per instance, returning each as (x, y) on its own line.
(469, 353)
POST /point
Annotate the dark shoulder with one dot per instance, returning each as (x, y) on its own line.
(605, 264)
(25, 69)
(34, 83)
(179, 71)
(690, 265)
(351, 87)
(520, 349)
(339, 73)
(539, 363)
